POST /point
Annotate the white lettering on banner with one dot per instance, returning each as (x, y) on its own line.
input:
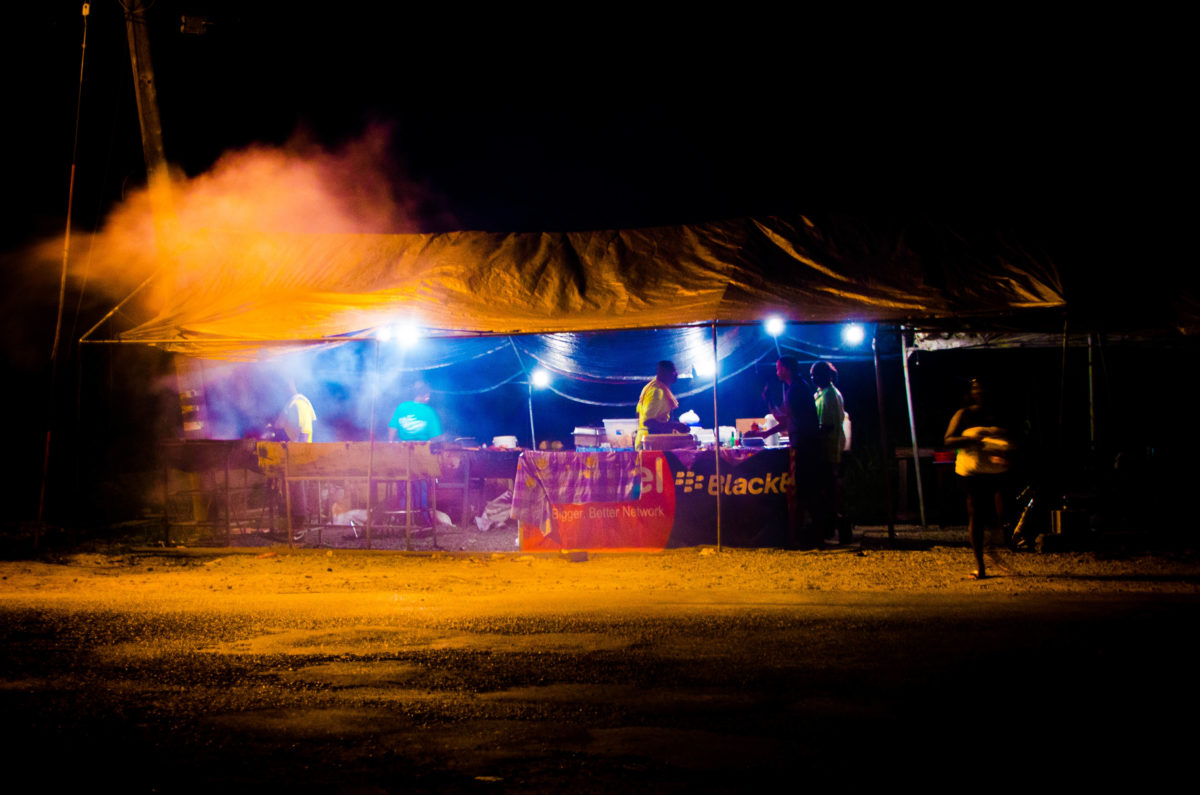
(636, 512)
(600, 512)
(564, 514)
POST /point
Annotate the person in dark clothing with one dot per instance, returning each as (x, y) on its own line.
(798, 416)
(982, 459)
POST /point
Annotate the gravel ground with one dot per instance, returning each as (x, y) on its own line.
(323, 670)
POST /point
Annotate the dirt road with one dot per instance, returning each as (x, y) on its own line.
(322, 671)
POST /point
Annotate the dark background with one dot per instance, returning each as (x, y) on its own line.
(1065, 132)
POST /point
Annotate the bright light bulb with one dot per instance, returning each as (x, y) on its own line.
(704, 365)
(540, 378)
(853, 334)
(775, 325)
(407, 334)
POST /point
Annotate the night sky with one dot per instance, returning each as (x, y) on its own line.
(611, 117)
(507, 119)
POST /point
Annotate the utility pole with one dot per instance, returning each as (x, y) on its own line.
(190, 375)
(62, 291)
(145, 92)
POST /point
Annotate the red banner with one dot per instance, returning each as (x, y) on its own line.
(642, 523)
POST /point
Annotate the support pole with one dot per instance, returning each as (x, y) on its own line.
(66, 257)
(62, 294)
(716, 433)
(118, 307)
(287, 493)
(408, 494)
(144, 91)
(532, 432)
(529, 385)
(228, 500)
(371, 442)
(912, 424)
(883, 441)
(166, 483)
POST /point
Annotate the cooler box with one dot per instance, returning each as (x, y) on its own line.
(621, 433)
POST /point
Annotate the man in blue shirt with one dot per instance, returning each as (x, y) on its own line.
(413, 420)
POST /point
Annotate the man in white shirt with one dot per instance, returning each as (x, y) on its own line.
(831, 413)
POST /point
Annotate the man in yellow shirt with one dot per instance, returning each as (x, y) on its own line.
(298, 416)
(656, 404)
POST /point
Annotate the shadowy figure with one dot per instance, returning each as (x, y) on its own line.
(797, 415)
(831, 414)
(982, 461)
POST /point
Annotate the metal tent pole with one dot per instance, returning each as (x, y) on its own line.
(532, 433)
(371, 440)
(883, 443)
(529, 386)
(912, 424)
(287, 492)
(716, 434)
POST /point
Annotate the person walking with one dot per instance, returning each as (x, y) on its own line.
(981, 461)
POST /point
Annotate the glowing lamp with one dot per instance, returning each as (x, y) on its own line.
(774, 325)
(540, 378)
(704, 365)
(853, 334)
(406, 334)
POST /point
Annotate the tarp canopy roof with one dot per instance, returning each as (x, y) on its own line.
(234, 295)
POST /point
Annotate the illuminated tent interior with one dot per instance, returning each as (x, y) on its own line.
(491, 307)
(480, 385)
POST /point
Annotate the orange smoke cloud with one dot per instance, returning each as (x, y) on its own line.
(251, 195)
(293, 190)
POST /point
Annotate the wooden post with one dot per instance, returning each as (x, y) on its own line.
(287, 491)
